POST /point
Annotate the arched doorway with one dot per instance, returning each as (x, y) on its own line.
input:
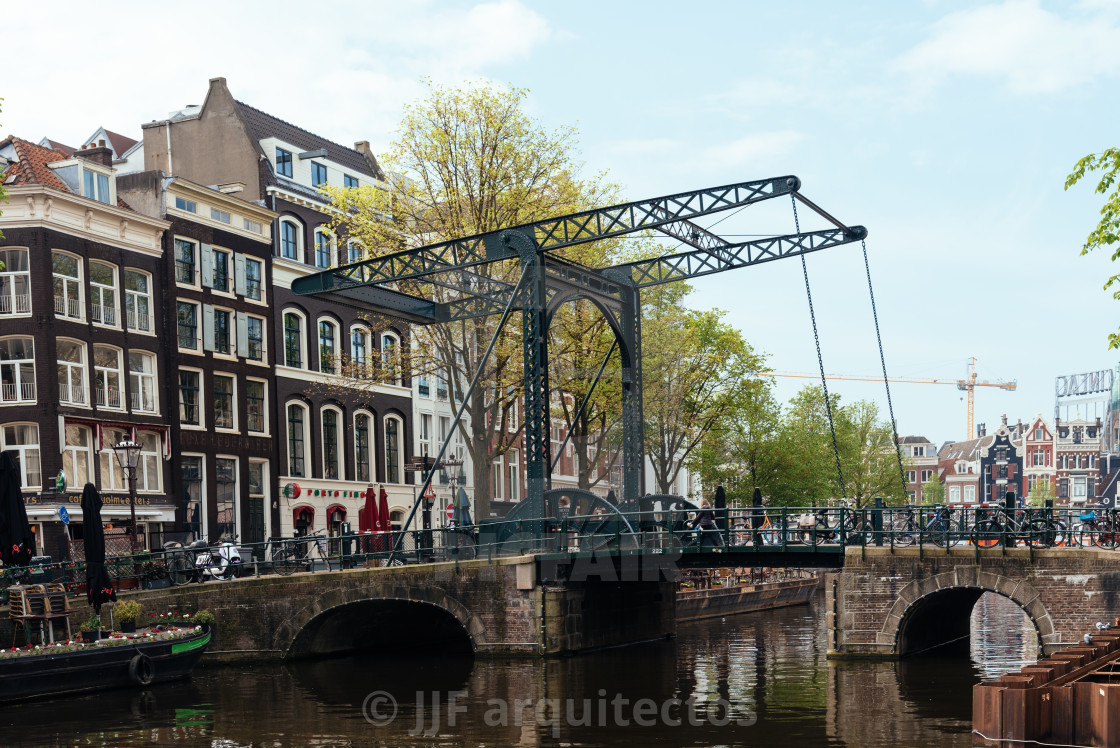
(383, 626)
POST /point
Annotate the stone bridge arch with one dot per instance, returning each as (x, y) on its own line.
(936, 610)
(402, 613)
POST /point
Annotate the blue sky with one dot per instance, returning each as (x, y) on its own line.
(946, 128)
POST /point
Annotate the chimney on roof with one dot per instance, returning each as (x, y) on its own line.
(1004, 419)
(1019, 428)
(981, 430)
(98, 154)
(362, 147)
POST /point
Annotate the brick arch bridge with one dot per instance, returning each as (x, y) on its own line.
(904, 602)
(490, 608)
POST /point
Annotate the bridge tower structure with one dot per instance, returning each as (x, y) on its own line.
(394, 283)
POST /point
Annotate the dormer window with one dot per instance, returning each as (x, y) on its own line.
(95, 186)
(86, 179)
(318, 174)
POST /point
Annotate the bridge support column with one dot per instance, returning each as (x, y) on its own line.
(593, 615)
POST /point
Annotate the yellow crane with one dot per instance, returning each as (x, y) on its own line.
(968, 384)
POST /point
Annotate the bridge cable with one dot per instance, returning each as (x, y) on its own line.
(883, 360)
(820, 360)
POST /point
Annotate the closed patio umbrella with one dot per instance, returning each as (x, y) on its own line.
(99, 587)
(720, 504)
(368, 516)
(383, 520)
(462, 511)
(17, 543)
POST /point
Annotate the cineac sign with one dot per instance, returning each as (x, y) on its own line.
(1083, 384)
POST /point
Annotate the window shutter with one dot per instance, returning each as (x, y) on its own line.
(206, 261)
(239, 274)
(242, 335)
(207, 327)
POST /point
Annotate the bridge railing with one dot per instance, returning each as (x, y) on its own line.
(736, 530)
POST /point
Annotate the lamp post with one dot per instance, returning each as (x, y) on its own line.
(128, 457)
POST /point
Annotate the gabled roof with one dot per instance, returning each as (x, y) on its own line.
(914, 440)
(263, 125)
(55, 145)
(121, 144)
(30, 166)
(966, 450)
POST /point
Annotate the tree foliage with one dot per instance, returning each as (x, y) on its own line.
(467, 161)
(933, 491)
(1107, 231)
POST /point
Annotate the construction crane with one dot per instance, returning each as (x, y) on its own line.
(968, 384)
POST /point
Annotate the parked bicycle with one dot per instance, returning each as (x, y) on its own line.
(1096, 529)
(289, 555)
(1015, 526)
(200, 561)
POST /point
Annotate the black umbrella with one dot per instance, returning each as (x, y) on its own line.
(17, 543)
(758, 515)
(719, 505)
(99, 588)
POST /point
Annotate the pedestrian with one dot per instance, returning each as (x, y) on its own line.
(706, 522)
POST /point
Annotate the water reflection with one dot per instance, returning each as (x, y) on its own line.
(769, 669)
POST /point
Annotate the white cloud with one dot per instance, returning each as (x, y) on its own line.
(1032, 50)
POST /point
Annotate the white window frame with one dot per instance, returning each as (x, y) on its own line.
(264, 463)
(359, 366)
(100, 312)
(320, 234)
(66, 392)
(72, 309)
(214, 375)
(371, 446)
(210, 331)
(336, 326)
(303, 350)
(109, 468)
(106, 400)
(18, 391)
(201, 498)
(386, 357)
(199, 405)
(241, 278)
(306, 437)
(73, 452)
(970, 494)
(355, 252)
(136, 388)
(196, 273)
(23, 450)
(13, 304)
(340, 444)
(134, 319)
(298, 228)
(209, 265)
(400, 448)
(513, 475)
(197, 348)
(264, 406)
(427, 423)
(104, 191)
(954, 494)
(236, 491)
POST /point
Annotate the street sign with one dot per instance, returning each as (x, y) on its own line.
(63, 515)
(450, 511)
(430, 493)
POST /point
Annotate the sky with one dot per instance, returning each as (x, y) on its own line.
(947, 128)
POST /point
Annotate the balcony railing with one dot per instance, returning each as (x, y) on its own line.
(72, 393)
(67, 307)
(23, 392)
(105, 315)
(143, 401)
(19, 303)
(107, 398)
(139, 321)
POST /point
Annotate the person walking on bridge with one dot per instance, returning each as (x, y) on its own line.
(709, 530)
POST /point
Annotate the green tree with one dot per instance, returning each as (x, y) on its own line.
(467, 161)
(933, 491)
(691, 363)
(1041, 492)
(1107, 231)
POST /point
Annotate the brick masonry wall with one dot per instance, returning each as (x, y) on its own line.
(1063, 591)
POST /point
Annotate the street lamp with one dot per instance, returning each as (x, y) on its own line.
(128, 457)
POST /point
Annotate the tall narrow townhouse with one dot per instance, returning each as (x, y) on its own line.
(81, 355)
(334, 438)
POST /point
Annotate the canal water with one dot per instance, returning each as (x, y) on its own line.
(755, 679)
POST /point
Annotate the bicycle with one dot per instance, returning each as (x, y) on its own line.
(1016, 525)
(288, 555)
(941, 528)
(1098, 529)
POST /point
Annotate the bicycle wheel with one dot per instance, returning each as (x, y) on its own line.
(937, 532)
(987, 533)
(1105, 536)
(284, 561)
(1043, 533)
(904, 532)
(180, 570)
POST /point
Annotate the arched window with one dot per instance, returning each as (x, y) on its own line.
(393, 456)
(391, 357)
(293, 339)
(354, 251)
(142, 381)
(17, 370)
(324, 248)
(72, 372)
(15, 282)
(303, 519)
(107, 377)
(332, 438)
(67, 285)
(138, 299)
(291, 240)
(362, 444)
(297, 440)
(328, 346)
(22, 439)
(359, 349)
(103, 293)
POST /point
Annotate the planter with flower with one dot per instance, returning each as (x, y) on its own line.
(91, 629)
(204, 618)
(127, 612)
